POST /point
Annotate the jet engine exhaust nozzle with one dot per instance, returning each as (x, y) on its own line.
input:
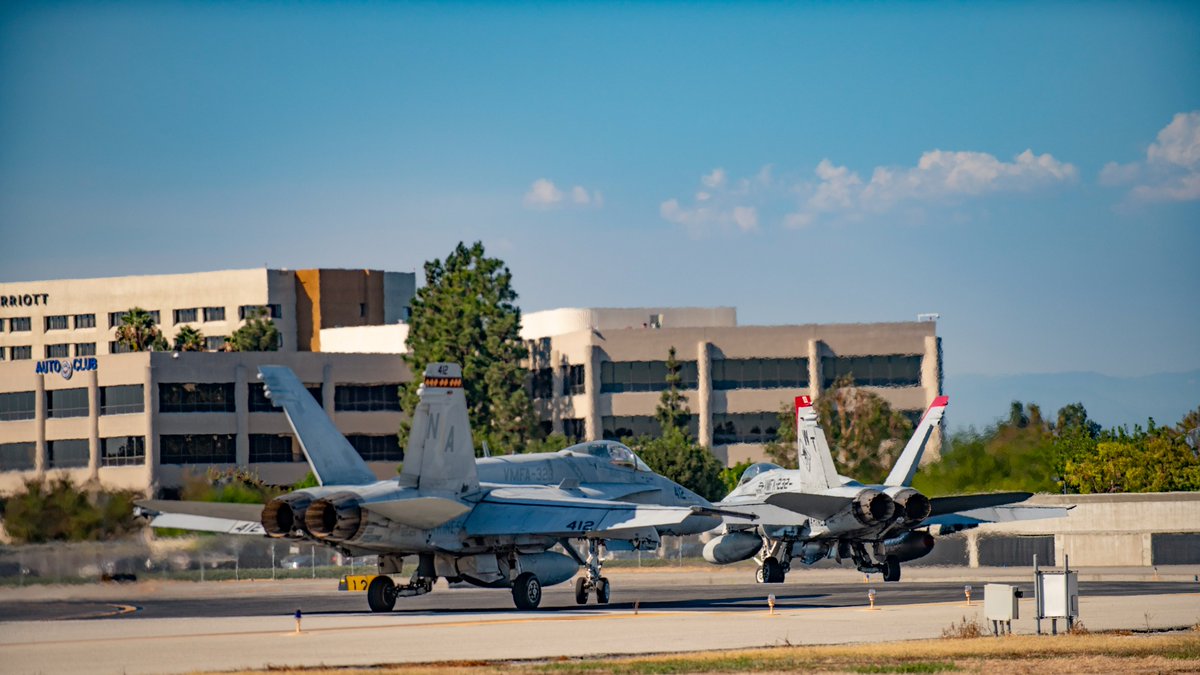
(913, 505)
(284, 515)
(336, 517)
(873, 506)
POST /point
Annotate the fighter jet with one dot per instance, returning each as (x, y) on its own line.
(812, 513)
(490, 523)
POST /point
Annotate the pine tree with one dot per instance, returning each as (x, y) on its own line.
(465, 314)
(672, 410)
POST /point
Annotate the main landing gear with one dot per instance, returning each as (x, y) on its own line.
(593, 580)
(527, 591)
(382, 591)
(776, 560)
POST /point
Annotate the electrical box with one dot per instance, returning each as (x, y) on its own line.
(1000, 602)
(1058, 595)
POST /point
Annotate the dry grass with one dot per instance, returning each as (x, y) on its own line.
(968, 629)
(1129, 654)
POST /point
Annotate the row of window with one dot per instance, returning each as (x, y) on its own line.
(21, 324)
(188, 398)
(760, 427)
(895, 370)
(73, 453)
(541, 381)
(186, 449)
(20, 353)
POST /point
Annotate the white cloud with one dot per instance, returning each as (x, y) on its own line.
(715, 179)
(719, 205)
(544, 194)
(746, 218)
(1171, 169)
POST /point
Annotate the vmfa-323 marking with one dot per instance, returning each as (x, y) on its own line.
(811, 513)
(489, 522)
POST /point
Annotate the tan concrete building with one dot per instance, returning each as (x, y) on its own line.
(78, 317)
(145, 420)
(598, 373)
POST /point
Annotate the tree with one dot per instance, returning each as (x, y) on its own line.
(731, 475)
(678, 457)
(672, 410)
(782, 450)
(551, 443)
(465, 314)
(139, 332)
(189, 339)
(258, 334)
(864, 433)
(1073, 417)
(58, 510)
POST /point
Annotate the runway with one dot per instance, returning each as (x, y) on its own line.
(185, 627)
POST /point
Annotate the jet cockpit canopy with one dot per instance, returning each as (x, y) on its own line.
(618, 454)
(755, 469)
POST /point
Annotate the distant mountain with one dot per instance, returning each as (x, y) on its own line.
(981, 400)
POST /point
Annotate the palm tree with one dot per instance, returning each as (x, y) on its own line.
(258, 334)
(189, 339)
(139, 333)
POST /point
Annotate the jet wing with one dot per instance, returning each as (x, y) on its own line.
(820, 507)
(556, 513)
(204, 516)
(422, 512)
(997, 514)
(959, 503)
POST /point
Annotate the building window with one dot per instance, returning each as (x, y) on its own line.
(214, 343)
(196, 397)
(622, 376)
(362, 309)
(894, 370)
(122, 399)
(198, 449)
(58, 351)
(117, 347)
(274, 311)
(67, 403)
(377, 448)
(123, 451)
(68, 454)
(760, 373)
(272, 448)
(20, 324)
(257, 401)
(3, 352)
(17, 456)
(214, 313)
(760, 427)
(542, 385)
(2, 320)
(573, 380)
(85, 321)
(366, 398)
(186, 315)
(617, 427)
(85, 349)
(574, 428)
(56, 322)
(23, 353)
(115, 318)
(18, 405)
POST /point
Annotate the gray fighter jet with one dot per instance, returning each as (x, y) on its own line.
(490, 522)
(812, 513)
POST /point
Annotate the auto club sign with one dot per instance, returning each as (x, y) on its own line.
(66, 367)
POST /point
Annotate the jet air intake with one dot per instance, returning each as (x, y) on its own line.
(872, 506)
(284, 515)
(337, 517)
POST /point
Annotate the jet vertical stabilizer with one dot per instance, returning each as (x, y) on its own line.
(813, 458)
(441, 455)
(332, 458)
(906, 465)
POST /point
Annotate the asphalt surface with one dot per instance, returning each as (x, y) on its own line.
(677, 596)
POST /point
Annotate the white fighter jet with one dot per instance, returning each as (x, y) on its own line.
(812, 513)
(490, 523)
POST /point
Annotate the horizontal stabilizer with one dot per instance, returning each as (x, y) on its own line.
(997, 514)
(820, 507)
(957, 503)
(203, 516)
(421, 512)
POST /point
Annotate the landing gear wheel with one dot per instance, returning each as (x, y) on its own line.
(602, 591)
(581, 591)
(771, 571)
(527, 591)
(758, 576)
(891, 569)
(381, 594)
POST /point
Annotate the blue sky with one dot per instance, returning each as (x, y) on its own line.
(1031, 171)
